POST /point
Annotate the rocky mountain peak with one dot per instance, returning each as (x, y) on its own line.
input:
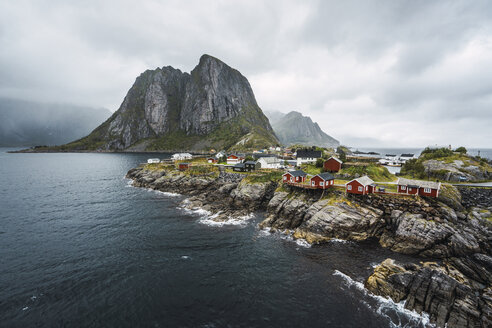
(165, 103)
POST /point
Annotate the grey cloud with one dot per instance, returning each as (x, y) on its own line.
(348, 63)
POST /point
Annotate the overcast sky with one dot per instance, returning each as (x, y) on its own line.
(371, 73)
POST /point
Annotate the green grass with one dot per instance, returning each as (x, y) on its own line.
(375, 172)
(271, 176)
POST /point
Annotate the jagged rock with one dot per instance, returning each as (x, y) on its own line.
(211, 107)
(429, 288)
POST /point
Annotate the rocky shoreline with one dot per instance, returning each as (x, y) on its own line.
(455, 235)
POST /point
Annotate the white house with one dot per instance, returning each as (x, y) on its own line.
(307, 156)
(153, 160)
(220, 154)
(269, 163)
(181, 156)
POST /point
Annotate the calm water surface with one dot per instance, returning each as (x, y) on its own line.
(79, 247)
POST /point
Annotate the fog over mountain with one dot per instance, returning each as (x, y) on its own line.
(27, 123)
(390, 73)
(294, 128)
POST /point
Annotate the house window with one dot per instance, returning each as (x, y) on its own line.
(349, 187)
(427, 190)
(285, 178)
(321, 183)
(291, 179)
(360, 189)
(312, 183)
(403, 187)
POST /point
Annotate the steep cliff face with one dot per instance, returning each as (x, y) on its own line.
(294, 128)
(212, 107)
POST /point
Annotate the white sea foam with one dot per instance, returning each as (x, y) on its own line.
(25, 308)
(302, 242)
(341, 241)
(230, 221)
(209, 218)
(185, 257)
(165, 193)
(129, 183)
(387, 305)
(285, 235)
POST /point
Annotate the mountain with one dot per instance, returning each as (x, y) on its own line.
(166, 109)
(294, 128)
(27, 123)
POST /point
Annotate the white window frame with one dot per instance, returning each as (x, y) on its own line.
(322, 184)
(360, 188)
(312, 183)
(349, 187)
(403, 187)
(427, 190)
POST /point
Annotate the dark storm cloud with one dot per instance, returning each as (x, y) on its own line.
(416, 72)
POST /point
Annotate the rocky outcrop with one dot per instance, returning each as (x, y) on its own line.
(454, 170)
(224, 195)
(211, 107)
(405, 224)
(476, 197)
(294, 128)
(451, 299)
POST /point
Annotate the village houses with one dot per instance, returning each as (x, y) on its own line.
(307, 156)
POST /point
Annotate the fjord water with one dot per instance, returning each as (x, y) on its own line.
(79, 247)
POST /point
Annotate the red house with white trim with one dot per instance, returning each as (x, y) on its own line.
(212, 160)
(234, 159)
(417, 187)
(332, 164)
(361, 186)
(294, 176)
(322, 180)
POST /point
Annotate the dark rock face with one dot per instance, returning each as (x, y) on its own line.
(476, 197)
(169, 108)
(451, 299)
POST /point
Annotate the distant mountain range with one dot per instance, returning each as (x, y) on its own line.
(294, 128)
(166, 109)
(26, 123)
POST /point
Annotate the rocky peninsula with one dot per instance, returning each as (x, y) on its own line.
(451, 235)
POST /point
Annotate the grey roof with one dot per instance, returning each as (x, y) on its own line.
(250, 162)
(308, 153)
(241, 165)
(326, 176)
(260, 155)
(365, 181)
(270, 160)
(419, 183)
(298, 173)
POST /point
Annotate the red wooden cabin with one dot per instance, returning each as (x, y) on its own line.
(332, 164)
(183, 166)
(416, 187)
(361, 186)
(294, 176)
(322, 181)
(212, 160)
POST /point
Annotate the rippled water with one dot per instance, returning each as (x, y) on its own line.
(79, 247)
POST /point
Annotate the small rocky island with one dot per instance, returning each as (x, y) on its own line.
(451, 234)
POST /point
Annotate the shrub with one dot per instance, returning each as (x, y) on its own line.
(461, 150)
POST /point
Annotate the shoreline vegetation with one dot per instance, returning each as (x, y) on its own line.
(450, 234)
